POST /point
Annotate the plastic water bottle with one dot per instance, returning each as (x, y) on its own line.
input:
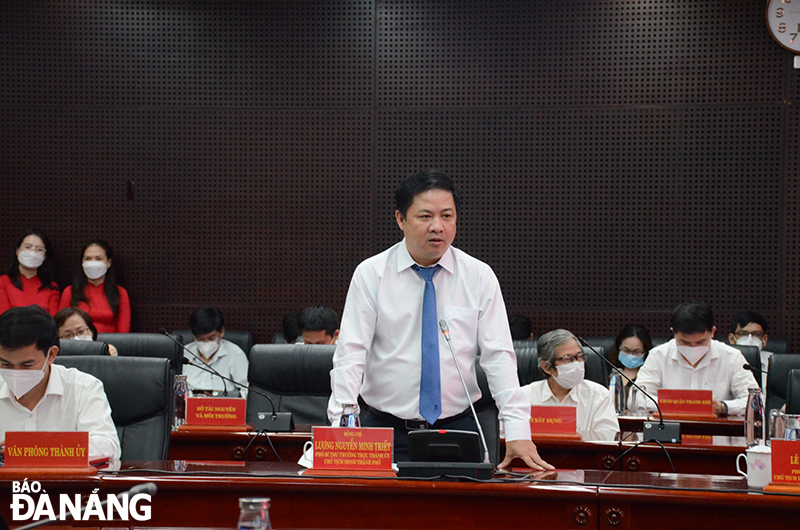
(349, 416)
(254, 514)
(179, 396)
(616, 387)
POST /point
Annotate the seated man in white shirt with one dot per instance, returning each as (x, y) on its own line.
(694, 361)
(750, 329)
(37, 395)
(216, 354)
(561, 358)
(319, 325)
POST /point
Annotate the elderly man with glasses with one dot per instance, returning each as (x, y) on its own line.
(561, 359)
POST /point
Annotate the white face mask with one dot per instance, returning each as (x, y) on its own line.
(570, 375)
(20, 382)
(207, 348)
(87, 337)
(94, 270)
(750, 340)
(30, 259)
(693, 354)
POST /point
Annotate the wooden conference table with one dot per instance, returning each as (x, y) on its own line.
(205, 495)
(715, 456)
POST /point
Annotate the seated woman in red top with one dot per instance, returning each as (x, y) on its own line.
(29, 280)
(94, 289)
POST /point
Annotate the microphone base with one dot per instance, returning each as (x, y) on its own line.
(283, 422)
(451, 470)
(652, 431)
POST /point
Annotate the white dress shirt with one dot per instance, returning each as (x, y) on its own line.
(381, 330)
(73, 401)
(720, 370)
(595, 414)
(229, 360)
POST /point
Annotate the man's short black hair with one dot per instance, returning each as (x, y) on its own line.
(692, 317)
(521, 327)
(745, 318)
(319, 318)
(420, 183)
(206, 320)
(23, 326)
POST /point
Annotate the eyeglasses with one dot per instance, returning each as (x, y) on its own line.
(631, 352)
(742, 334)
(80, 332)
(568, 359)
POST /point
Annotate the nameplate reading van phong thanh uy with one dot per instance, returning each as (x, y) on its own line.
(46, 449)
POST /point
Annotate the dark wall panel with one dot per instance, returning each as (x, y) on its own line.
(616, 157)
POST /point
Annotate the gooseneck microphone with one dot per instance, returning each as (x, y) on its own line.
(446, 332)
(280, 421)
(749, 367)
(666, 432)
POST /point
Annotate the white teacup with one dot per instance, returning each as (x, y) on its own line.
(307, 460)
(759, 466)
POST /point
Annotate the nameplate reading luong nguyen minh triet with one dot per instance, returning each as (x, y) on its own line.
(553, 419)
(353, 449)
(47, 449)
(215, 411)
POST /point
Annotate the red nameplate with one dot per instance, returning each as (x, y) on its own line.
(697, 439)
(215, 411)
(554, 419)
(685, 401)
(785, 462)
(47, 449)
(353, 449)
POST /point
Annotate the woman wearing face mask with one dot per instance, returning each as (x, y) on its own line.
(94, 289)
(76, 324)
(30, 276)
(561, 359)
(630, 350)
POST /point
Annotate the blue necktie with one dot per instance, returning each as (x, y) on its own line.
(430, 383)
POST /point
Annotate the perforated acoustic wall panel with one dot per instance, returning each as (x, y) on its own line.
(616, 157)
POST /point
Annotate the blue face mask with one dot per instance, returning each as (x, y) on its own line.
(631, 361)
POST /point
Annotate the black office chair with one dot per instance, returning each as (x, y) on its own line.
(243, 339)
(753, 358)
(527, 363)
(793, 392)
(295, 376)
(778, 378)
(146, 345)
(777, 346)
(82, 347)
(139, 391)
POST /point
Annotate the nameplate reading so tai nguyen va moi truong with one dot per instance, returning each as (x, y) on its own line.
(215, 411)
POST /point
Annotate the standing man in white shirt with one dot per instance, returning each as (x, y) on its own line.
(225, 357)
(37, 395)
(562, 360)
(390, 351)
(693, 360)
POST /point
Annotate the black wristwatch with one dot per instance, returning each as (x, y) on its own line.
(724, 408)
